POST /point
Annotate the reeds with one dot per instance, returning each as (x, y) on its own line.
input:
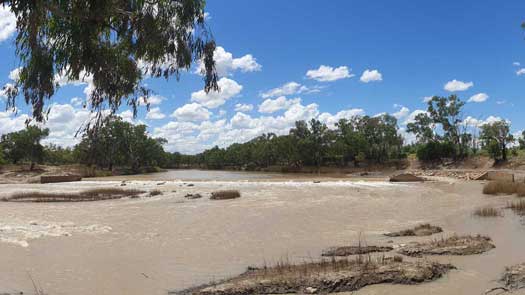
(97, 194)
(488, 212)
(504, 187)
(155, 192)
(518, 207)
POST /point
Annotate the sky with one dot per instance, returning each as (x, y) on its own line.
(283, 61)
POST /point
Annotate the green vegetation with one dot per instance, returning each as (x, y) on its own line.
(355, 140)
(120, 143)
(114, 44)
(24, 145)
(495, 138)
(442, 113)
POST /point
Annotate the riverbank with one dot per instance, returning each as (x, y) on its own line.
(169, 242)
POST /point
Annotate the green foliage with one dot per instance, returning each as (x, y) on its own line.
(495, 138)
(444, 114)
(360, 139)
(24, 145)
(120, 143)
(112, 42)
(56, 155)
(434, 151)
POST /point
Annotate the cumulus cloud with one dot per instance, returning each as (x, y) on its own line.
(331, 119)
(7, 23)
(476, 123)
(371, 76)
(243, 107)
(520, 72)
(426, 99)
(155, 114)
(329, 74)
(456, 85)
(228, 89)
(516, 64)
(290, 88)
(152, 100)
(412, 116)
(480, 97)
(225, 64)
(192, 112)
(402, 113)
(281, 103)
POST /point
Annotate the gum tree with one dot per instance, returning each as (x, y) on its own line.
(113, 43)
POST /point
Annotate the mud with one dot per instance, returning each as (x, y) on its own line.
(455, 245)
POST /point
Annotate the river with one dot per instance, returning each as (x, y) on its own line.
(167, 242)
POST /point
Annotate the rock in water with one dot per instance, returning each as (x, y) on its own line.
(406, 177)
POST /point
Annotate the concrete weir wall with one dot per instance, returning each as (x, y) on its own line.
(59, 178)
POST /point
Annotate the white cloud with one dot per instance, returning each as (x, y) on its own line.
(228, 89)
(456, 85)
(152, 100)
(15, 74)
(289, 88)
(328, 74)
(243, 107)
(7, 23)
(330, 119)
(516, 64)
(281, 103)
(412, 116)
(371, 76)
(426, 99)
(520, 72)
(480, 97)
(155, 114)
(402, 113)
(192, 112)
(225, 64)
(76, 101)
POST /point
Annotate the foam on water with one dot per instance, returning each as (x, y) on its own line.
(20, 233)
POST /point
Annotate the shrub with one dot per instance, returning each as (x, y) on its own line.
(435, 151)
(225, 195)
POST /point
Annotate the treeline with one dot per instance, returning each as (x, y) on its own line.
(352, 142)
(441, 134)
(116, 144)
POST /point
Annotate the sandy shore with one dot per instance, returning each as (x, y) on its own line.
(167, 242)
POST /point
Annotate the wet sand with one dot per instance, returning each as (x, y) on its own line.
(153, 245)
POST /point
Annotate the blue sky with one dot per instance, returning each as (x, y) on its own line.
(411, 50)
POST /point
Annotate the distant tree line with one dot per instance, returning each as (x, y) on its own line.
(441, 134)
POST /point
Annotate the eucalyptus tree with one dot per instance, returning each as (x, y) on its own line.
(496, 137)
(24, 145)
(113, 43)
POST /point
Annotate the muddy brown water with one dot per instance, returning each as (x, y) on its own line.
(154, 245)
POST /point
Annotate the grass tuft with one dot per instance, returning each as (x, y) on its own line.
(518, 207)
(488, 212)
